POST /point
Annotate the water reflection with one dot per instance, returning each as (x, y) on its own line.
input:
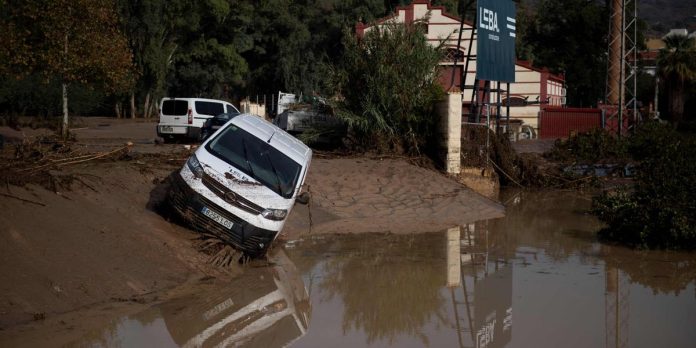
(436, 289)
(559, 224)
(264, 307)
(483, 305)
(388, 285)
(539, 268)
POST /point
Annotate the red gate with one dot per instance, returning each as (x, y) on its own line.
(557, 123)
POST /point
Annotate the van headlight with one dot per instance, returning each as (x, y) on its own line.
(195, 166)
(274, 214)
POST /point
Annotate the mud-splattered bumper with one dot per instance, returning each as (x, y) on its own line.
(244, 236)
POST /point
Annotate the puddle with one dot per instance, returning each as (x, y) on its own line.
(264, 307)
(536, 278)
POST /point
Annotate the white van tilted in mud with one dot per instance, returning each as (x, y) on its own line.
(184, 117)
(242, 182)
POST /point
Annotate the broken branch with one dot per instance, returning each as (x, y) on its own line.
(22, 199)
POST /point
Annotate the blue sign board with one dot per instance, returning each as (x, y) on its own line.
(495, 56)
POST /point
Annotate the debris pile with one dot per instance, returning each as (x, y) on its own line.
(38, 160)
(483, 150)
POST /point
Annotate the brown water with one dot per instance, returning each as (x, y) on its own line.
(536, 278)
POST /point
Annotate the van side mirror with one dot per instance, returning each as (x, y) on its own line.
(303, 198)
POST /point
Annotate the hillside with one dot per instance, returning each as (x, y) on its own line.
(663, 15)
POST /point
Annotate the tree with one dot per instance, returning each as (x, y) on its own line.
(569, 37)
(677, 64)
(77, 41)
(388, 83)
(149, 30)
(211, 37)
(294, 42)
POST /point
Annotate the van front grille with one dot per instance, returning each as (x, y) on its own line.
(232, 198)
(252, 240)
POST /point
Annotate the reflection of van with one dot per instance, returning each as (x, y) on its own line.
(242, 182)
(264, 307)
(184, 117)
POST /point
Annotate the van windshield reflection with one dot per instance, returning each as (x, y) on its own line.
(257, 159)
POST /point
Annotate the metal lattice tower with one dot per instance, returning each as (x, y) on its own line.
(622, 53)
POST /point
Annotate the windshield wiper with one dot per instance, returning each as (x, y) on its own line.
(246, 158)
(275, 172)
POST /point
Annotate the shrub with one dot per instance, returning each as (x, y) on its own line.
(387, 81)
(648, 137)
(660, 210)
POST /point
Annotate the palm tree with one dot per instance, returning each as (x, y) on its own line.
(677, 62)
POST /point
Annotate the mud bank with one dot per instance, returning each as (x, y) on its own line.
(358, 195)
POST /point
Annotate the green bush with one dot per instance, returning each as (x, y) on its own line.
(387, 83)
(659, 211)
(648, 137)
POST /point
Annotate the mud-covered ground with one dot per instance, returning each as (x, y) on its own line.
(75, 255)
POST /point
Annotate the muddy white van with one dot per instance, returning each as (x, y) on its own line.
(184, 117)
(242, 182)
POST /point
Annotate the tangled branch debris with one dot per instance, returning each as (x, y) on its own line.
(221, 254)
(513, 169)
(35, 161)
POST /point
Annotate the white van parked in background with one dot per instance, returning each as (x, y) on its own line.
(242, 182)
(184, 117)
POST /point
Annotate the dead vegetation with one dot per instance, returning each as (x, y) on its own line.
(220, 254)
(483, 150)
(44, 161)
(39, 161)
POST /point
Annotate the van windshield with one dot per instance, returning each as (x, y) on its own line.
(257, 159)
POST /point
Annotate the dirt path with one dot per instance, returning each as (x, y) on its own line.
(105, 245)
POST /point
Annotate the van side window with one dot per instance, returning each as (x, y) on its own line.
(209, 108)
(174, 107)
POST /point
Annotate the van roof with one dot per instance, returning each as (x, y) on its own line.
(278, 138)
(195, 99)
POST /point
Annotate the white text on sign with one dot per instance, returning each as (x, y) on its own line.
(488, 20)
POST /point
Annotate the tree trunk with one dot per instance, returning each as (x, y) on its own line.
(152, 108)
(64, 128)
(676, 101)
(146, 107)
(132, 105)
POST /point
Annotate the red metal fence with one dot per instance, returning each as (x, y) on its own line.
(557, 123)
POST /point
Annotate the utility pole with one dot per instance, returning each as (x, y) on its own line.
(622, 70)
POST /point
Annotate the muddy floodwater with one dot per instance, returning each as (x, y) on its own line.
(536, 278)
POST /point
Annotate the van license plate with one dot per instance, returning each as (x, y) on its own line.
(166, 129)
(216, 217)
